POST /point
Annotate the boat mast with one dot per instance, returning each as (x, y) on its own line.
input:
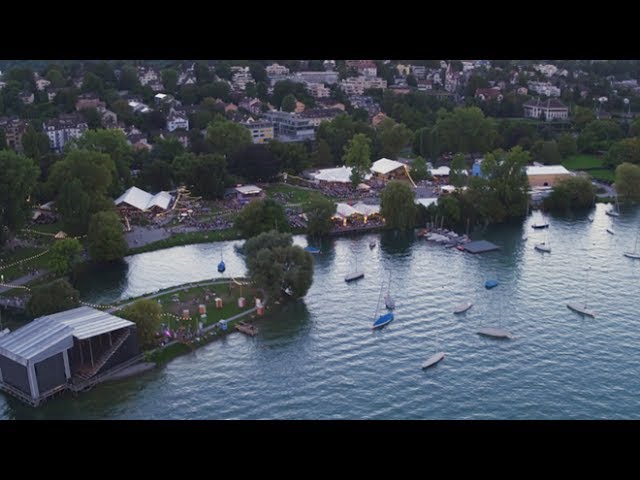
(378, 304)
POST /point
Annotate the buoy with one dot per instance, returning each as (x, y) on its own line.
(241, 302)
(218, 302)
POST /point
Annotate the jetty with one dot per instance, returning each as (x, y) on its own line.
(247, 329)
(480, 246)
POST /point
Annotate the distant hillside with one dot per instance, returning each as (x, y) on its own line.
(40, 65)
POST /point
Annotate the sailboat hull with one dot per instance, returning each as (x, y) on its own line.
(382, 321)
(580, 308)
(612, 214)
(536, 226)
(632, 255)
(543, 248)
(463, 308)
(494, 333)
(433, 360)
(353, 276)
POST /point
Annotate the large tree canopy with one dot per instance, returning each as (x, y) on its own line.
(226, 138)
(146, 315)
(106, 238)
(53, 297)
(255, 163)
(397, 205)
(261, 216)
(17, 179)
(628, 181)
(465, 130)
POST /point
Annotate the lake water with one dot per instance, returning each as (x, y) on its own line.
(319, 359)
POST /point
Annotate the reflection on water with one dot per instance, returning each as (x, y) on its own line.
(319, 358)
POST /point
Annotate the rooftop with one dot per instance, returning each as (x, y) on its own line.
(143, 200)
(547, 170)
(384, 166)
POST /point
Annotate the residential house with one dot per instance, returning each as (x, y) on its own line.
(357, 85)
(177, 120)
(138, 107)
(26, 97)
(419, 71)
(261, 131)
(251, 105)
(319, 115)
(88, 100)
(187, 78)
(451, 80)
(548, 109)
(403, 70)
(62, 129)
(318, 90)
(328, 78)
(364, 67)
(13, 128)
(230, 107)
(241, 79)
(181, 135)
(163, 99)
(547, 70)
(522, 91)
(108, 118)
(328, 103)
(42, 83)
(329, 65)
(290, 127)
(424, 85)
(146, 75)
(275, 69)
(156, 85)
(544, 88)
(377, 119)
(138, 141)
(489, 94)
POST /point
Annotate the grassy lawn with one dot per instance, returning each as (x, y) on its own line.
(581, 162)
(187, 239)
(603, 174)
(299, 195)
(22, 253)
(52, 228)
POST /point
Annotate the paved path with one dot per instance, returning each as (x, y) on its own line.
(140, 236)
(22, 280)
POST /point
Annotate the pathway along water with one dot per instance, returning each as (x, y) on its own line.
(320, 359)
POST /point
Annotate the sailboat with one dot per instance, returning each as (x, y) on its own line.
(615, 211)
(544, 246)
(434, 359)
(582, 307)
(496, 332)
(355, 275)
(389, 302)
(382, 319)
(221, 265)
(542, 224)
(372, 244)
(463, 307)
(635, 254)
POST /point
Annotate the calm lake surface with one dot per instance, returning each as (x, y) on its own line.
(319, 359)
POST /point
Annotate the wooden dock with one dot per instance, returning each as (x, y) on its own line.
(247, 329)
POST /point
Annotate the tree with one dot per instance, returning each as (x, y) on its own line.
(35, 144)
(288, 103)
(293, 157)
(146, 314)
(105, 237)
(225, 137)
(319, 212)
(53, 297)
(258, 72)
(573, 192)
(17, 181)
(599, 135)
(412, 81)
(393, 137)
(626, 150)
(419, 169)
(275, 267)
(216, 90)
(114, 144)
(129, 79)
(582, 117)
(358, 156)
(167, 149)
(397, 205)
(250, 90)
(92, 117)
(255, 163)
(94, 170)
(465, 130)
(56, 78)
(223, 70)
(64, 255)
(634, 129)
(338, 132)
(628, 181)
(74, 205)
(322, 157)
(156, 176)
(456, 176)
(92, 84)
(547, 153)
(567, 145)
(202, 73)
(206, 175)
(169, 79)
(261, 216)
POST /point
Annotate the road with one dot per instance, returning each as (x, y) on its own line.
(23, 280)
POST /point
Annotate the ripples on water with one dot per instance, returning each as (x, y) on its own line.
(320, 359)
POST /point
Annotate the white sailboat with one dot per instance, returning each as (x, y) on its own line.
(635, 254)
(496, 332)
(355, 275)
(463, 307)
(389, 302)
(615, 211)
(581, 307)
(544, 246)
(435, 358)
